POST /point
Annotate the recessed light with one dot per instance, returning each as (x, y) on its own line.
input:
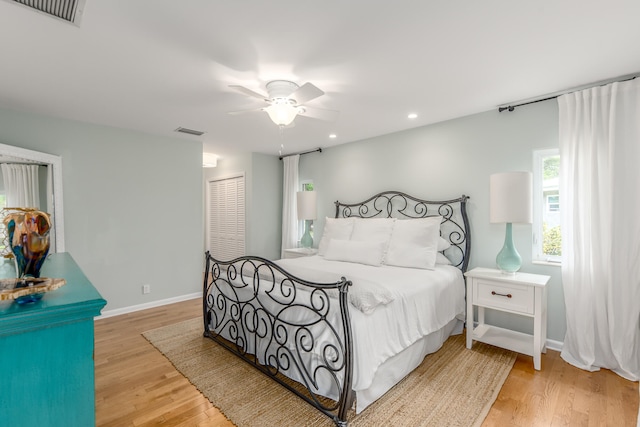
(333, 136)
(412, 116)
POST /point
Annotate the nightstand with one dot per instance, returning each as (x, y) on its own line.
(523, 294)
(299, 252)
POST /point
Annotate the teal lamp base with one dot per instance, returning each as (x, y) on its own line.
(307, 241)
(508, 260)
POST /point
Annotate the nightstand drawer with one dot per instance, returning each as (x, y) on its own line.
(504, 296)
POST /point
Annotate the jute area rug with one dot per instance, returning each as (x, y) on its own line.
(452, 387)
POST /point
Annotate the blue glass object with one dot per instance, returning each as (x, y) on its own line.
(29, 298)
(509, 260)
(26, 299)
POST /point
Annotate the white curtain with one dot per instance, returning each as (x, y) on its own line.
(289, 212)
(21, 185)
(600, 199)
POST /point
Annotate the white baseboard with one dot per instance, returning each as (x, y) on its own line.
(153, 304)
(554, 345)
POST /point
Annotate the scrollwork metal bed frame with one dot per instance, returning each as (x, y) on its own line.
(248, 304)
(395, 204)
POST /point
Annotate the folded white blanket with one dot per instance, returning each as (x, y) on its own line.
(365, 293)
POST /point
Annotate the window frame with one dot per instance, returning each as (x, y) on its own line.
(540, 206)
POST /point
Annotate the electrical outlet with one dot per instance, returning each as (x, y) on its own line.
(146, 289)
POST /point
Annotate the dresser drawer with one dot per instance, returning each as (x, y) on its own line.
(504, 296)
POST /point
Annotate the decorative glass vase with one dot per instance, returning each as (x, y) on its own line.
(307, 241)
(28, 237)
(508, 259)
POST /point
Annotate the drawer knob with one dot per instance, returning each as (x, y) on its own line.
(501, 295)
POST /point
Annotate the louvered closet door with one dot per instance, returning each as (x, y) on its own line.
(226, 218)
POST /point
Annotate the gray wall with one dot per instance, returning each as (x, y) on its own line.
(134, 202)
(443, 161)
(132, 205)
(263, 198)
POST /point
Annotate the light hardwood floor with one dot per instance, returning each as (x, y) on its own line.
(137, 386)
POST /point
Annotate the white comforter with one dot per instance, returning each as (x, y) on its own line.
(419, 302)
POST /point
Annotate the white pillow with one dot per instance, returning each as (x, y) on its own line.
(442, 259)
(373, 229)
(414, 243)
(335, 228)
(369, 253)
(443, 244)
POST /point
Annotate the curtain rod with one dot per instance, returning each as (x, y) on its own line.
(24, 163)
(554, 95)
(317, 150)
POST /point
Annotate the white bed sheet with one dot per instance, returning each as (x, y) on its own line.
(425, 302)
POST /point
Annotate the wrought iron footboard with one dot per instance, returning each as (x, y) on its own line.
(285, 326)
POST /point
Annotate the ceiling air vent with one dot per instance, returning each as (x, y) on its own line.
(67, 10)
(190, 131)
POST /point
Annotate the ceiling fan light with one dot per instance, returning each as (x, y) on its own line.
(282, 114)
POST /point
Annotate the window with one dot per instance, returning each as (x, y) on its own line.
(547, 234)
(305, 186)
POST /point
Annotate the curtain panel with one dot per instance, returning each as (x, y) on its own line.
(289, 212)
(599, 189)
(21, 185)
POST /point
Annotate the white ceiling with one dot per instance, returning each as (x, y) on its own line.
(155, 65)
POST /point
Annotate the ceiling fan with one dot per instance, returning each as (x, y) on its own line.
(285, 101)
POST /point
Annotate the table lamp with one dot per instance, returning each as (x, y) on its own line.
(510, 202)
(306, 201)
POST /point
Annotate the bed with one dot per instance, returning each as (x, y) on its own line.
(340, 328)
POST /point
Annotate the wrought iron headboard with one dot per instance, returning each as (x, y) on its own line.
(395, 204)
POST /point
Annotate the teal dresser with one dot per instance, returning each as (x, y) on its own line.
(46, 353)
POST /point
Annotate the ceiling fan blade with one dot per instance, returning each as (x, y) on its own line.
(306, 93)
(250, 92)
(253, 110)
(319, 113)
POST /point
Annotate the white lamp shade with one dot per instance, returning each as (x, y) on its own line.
(306, 201)
(510, 197)
(282, 113)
